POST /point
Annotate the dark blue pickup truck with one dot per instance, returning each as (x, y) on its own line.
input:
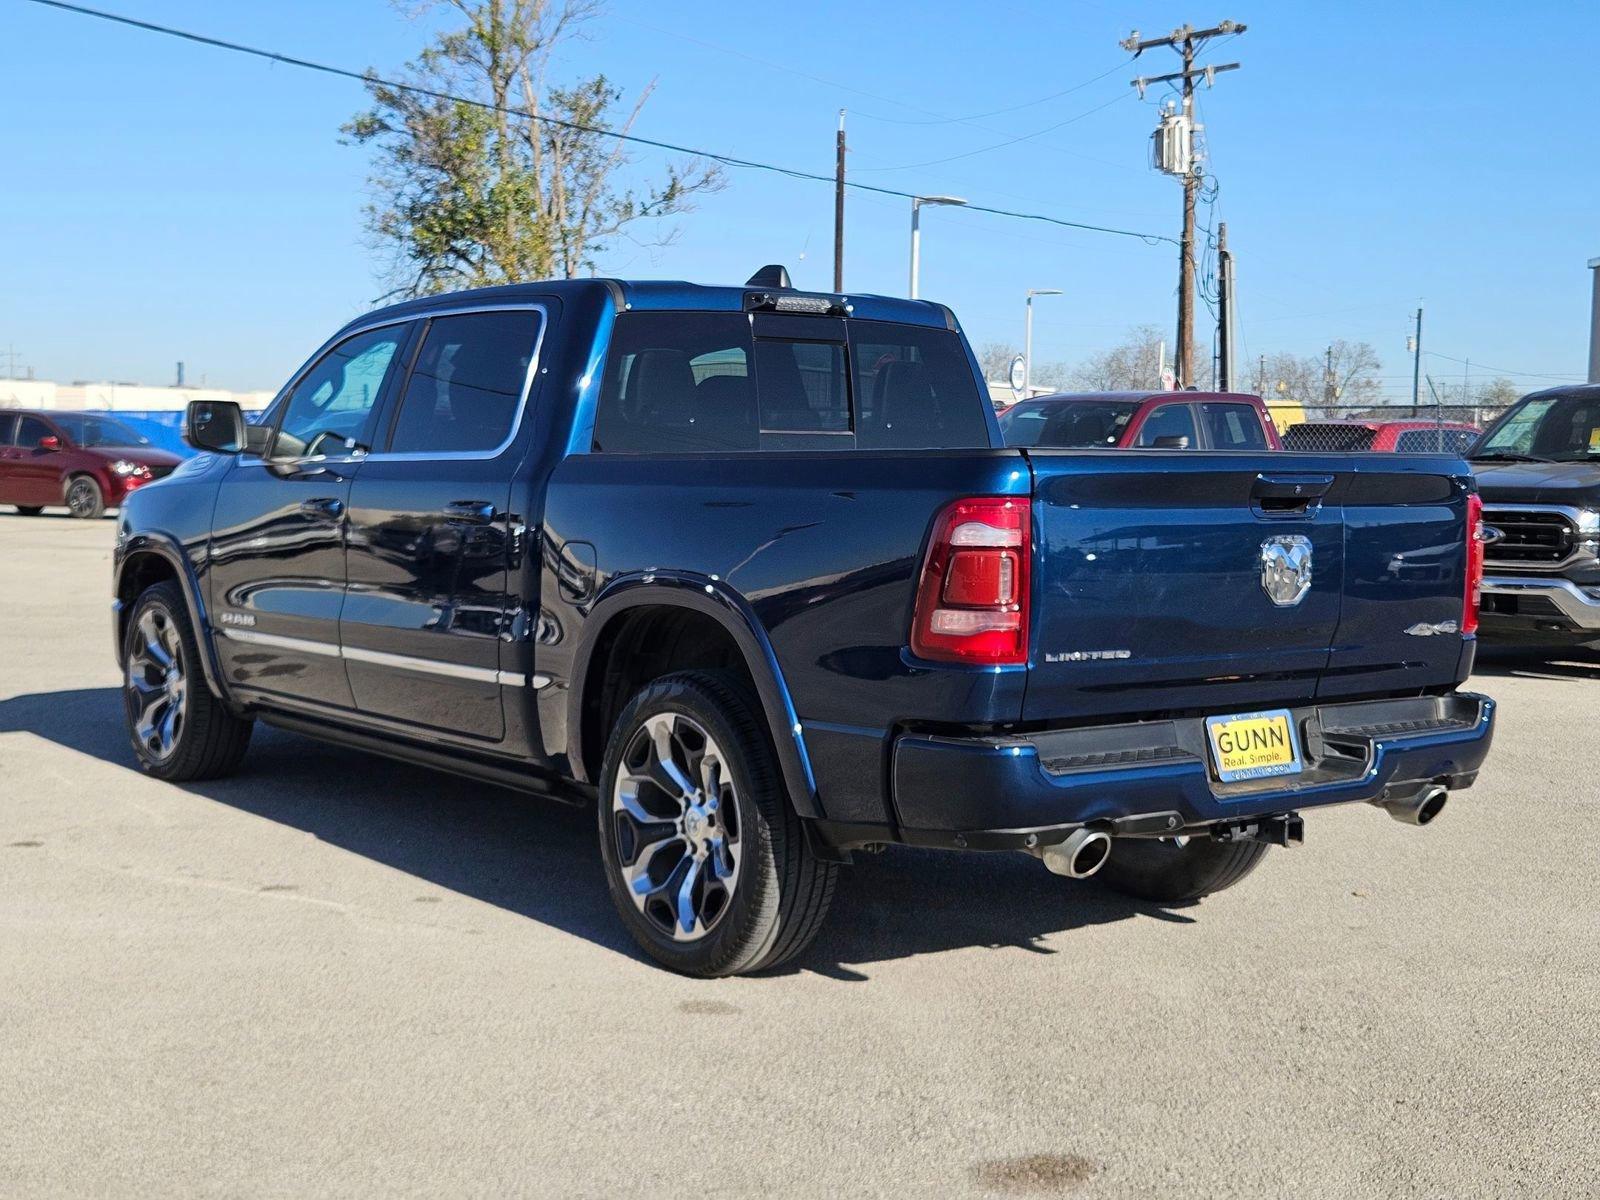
(752, 570)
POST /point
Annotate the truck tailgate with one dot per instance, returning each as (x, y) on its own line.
(1172, 581)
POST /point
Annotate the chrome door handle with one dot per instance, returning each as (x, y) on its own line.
(470, 512)
(322, 506)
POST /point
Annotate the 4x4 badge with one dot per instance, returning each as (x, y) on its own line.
(1286, 569)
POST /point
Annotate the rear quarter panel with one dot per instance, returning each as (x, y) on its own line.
(823, 548)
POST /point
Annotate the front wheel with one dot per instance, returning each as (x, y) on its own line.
(84, 499)
(180, 731)
(706, 860)
(1173, 870)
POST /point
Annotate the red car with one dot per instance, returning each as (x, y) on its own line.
(1155, 420)
(86, 463)
(1419, 436)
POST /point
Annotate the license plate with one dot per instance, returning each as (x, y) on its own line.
(1253, 745)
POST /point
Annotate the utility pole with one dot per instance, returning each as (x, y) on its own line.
(1594, 323)
(1416, 366)
(1330, 386)
(838, 209)
(1176, 155)
(1261, 376)
(11, 357)
(1225, 316)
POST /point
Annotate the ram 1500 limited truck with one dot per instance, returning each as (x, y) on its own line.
(1538, 470)
(752, 571)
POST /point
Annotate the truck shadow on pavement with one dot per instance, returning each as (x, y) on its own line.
(538, 858)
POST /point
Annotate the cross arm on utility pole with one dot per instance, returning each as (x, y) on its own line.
(1206, 73)
(1184, 33)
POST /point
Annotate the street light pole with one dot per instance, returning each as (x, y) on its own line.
(1027, 340)
(916, 231)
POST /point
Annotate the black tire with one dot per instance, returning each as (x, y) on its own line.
(1161, 870)
(781, 891)
(30, 510)
(84, 499)
(208, 741)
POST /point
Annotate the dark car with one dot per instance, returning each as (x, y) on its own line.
(1416, 436)
(1538, 470)
(83, 462)
(1149, 420)
(751, 571)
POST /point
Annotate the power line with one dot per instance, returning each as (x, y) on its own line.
(1503, 370)
(369, 77)
(936, 118)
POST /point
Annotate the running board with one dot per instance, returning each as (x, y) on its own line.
(521, 778)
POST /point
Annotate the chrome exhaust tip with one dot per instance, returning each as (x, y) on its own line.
(1083, 853)
(1419, 809)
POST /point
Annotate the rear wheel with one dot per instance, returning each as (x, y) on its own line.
(1172, 870)
(84, 498)
(30, 510)
(180, 731)
(706, 860)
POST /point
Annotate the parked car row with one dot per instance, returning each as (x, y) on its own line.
(1211, 421)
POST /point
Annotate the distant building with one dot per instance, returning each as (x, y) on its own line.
(117, 397)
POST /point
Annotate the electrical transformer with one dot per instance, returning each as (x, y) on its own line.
(1172, 144)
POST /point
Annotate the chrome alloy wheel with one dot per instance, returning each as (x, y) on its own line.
(156, 690)
(675, 821)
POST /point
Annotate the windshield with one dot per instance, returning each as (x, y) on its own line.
(97, 431)
(1067, 424)
(1546, 428)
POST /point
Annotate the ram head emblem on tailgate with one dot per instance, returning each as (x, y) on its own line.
(1286, 569)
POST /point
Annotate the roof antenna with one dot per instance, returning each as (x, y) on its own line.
(772, 275)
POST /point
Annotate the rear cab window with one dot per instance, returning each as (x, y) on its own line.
(1170, 427)
(678, 382)
(1232, 426)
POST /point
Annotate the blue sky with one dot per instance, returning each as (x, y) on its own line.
(164, 201)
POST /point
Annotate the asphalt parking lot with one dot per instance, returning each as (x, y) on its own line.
(337, 974)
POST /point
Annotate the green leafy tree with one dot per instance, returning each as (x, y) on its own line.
(473, 194)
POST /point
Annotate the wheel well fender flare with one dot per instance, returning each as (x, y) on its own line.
(163, 546)
(710, 597)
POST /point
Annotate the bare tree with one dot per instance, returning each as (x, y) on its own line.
(471, 194)
(1327, 385)
(1132, 366)
(995, 359)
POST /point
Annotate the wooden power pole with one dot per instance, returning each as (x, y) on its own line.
(838, 209)
(1186, 40)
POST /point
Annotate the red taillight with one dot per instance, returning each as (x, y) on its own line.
(1469, 608)
(972, 599)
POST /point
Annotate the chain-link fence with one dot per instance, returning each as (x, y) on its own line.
(1396, 428)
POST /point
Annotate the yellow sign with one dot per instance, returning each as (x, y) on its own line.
(1253, 745)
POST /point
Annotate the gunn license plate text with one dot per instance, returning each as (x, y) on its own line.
(1253, 745)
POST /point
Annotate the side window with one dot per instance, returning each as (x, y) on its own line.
(915, 389)
(678, 383)
(8, 430)
(1170, 427)
(1416, 441)
(1233, 427)
(331, 408)
(802, 387)
(30, 430)
(465, 391)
